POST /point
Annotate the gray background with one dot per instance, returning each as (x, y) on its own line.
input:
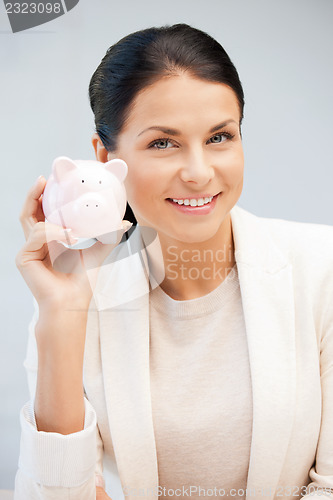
(283, 52)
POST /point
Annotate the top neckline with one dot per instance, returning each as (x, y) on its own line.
(200, 306)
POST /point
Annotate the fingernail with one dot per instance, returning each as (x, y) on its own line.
(68, 233)
(38, 179)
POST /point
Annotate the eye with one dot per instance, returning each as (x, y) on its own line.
(100, 182)
(219, 138)
(82, 180)
(161, 144)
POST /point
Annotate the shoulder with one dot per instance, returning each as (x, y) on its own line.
(308, 247)
(308, 241)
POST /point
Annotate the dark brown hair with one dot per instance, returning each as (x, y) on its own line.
(143, 57)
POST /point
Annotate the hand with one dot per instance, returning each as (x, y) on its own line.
(73, 285)
(101, 494)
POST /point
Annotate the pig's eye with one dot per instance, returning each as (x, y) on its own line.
(82, 180)
(100, 182)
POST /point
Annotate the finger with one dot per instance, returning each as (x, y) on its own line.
(93, 257)
(34, 259)
(42, 233)
(61, 258)
(32, 208)
(126, 225)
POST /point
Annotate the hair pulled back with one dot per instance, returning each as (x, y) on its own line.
(143, 57)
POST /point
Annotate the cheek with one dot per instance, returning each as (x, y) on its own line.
(232, 169)
(140, 185)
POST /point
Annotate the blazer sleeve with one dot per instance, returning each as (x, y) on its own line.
(51, 465)
(321, 474)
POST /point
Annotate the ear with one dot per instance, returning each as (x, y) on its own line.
(118, 168)
(100, 151)
(61, 166)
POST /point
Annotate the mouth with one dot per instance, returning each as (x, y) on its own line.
(199, 205)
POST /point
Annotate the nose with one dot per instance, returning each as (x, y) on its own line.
(196, 169)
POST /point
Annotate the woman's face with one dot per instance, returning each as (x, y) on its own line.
(182, 142)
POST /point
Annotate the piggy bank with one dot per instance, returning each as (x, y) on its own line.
(87, 196)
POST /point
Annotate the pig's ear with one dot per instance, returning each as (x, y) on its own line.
(61, 166)
(118, 168)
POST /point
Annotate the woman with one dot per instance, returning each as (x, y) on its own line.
(206, 351)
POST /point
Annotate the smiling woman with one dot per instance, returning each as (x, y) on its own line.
(205, 356)
(179, 132)
(197, 165)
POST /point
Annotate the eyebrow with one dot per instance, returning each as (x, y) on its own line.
(172, 131)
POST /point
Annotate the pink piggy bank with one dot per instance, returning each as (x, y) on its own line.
(87, 196)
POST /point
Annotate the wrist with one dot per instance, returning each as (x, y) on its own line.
(61, 324)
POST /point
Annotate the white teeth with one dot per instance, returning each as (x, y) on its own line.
(193, 202)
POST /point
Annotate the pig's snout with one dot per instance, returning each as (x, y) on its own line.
(92, 215)
(93, 206)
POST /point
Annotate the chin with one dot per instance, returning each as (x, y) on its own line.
(193, 234)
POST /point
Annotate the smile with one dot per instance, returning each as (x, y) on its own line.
(195, 206)
(193, 202)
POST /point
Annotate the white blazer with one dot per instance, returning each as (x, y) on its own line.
(285, 273)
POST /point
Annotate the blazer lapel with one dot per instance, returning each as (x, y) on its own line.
(124, 335)
(265, 278)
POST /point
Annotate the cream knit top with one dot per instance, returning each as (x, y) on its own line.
(201, 392)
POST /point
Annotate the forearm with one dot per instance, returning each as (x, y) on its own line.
(59, 403)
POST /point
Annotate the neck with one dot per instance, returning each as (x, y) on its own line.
(195, 269)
